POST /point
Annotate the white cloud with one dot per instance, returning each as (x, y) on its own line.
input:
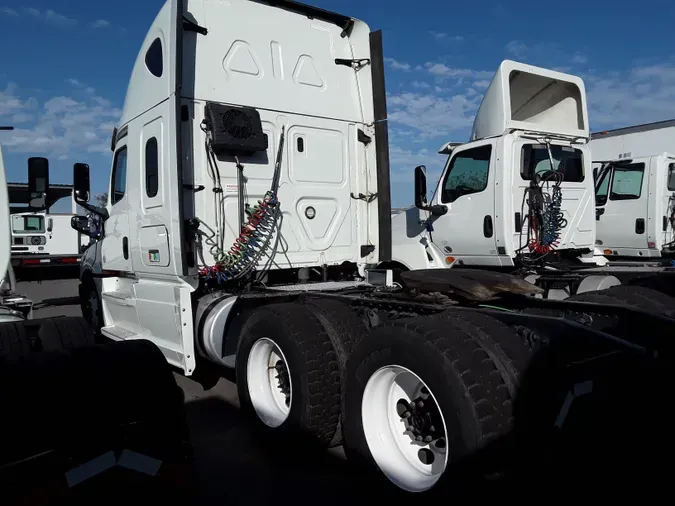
(62, 126)
(58, 19)
(100, 23)
(397, 65)
(579, 59)
(8, 11)
(517, 49)
(441, 70)
(431, 115)
(482, 83)
(444, 36)
(640, 95)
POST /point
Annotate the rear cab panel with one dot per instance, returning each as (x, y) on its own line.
(286, 70)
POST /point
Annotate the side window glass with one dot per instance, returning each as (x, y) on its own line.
(119, 176)
(153, 58)
(671, 177)
(468, 173)
(603, 188)
(627, 182)
(151, 167)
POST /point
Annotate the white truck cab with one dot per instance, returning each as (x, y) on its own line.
(14, 306)
(635, 190)
(186, 163)
(520, 189)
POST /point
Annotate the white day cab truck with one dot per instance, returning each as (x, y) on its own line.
(248, 211)
(519, 196)
(42, 239)
(635, 191)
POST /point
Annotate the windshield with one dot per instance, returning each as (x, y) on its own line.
(28, 223)
(566, 160)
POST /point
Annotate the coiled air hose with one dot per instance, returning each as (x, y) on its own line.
(546, 217)
(254, 237)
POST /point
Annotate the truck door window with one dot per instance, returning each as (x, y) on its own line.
(28, 224)
(603, 188)
(671, 177)
(566, 160)
(151, 168)
(119, 176)
(467, 173)
(627, 182)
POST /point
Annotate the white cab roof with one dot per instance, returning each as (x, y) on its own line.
(525, 97)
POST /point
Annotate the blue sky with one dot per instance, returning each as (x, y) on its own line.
(65, 66)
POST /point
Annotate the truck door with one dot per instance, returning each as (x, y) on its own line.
(622, 198)
(115, 250)
(668, 206)
(467, 188)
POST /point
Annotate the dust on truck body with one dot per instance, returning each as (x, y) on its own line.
(248, 207)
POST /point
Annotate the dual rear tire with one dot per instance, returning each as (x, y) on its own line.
(414, 399)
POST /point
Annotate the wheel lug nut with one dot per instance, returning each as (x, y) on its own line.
(418, 438)
(432, 429)
(420, 404)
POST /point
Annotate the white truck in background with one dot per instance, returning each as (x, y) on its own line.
(634, 169)
(41, 239)
(249, 209)
(15, 307)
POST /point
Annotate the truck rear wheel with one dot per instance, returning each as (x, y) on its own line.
(13, 340)
(639, 297)
(90, 304)
(287, 372)
(65, 333)
(345, 330)
(423, 396)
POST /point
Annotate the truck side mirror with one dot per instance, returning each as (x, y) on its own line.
(38, 182)
(81, 224)
(421, 187)
(81, 182)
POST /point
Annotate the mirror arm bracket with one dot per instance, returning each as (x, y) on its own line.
(98, 211)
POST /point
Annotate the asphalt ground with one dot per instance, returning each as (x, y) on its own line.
(235, 464)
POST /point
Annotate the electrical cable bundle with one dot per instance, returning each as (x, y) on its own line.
(546, 218)
(254, 236)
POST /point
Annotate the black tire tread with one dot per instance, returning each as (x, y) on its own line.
(65, 333)
(323, 370)
(483, 383)
(646, 299)
(13, 340)
(499, 340)
(346, 330)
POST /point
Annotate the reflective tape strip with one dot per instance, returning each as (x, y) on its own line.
(138, 462)
(90, 469)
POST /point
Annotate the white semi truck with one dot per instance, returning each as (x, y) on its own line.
(519, 196)
(635, 190)
(14, 307)
(42, 239)
(249, 208)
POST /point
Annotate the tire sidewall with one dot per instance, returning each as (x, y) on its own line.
(266, 324)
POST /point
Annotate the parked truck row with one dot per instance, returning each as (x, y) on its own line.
(249, 224)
